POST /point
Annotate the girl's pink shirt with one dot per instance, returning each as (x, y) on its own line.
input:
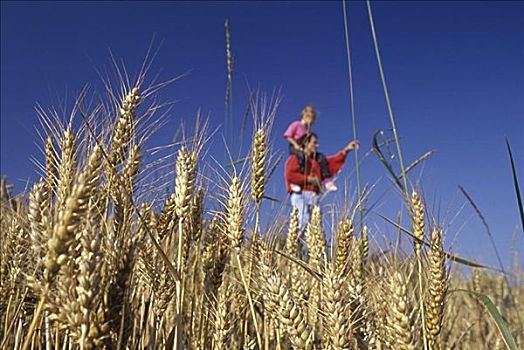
(296, 130)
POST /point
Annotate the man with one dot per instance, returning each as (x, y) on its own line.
(305, 186)
(299, 129)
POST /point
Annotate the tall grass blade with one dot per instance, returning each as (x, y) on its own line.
(516, 185)
(450, 256)
(274, 166)
(417, 162)
(386, 94)
(352, 108)
(488, 231)
(486, 226)
(497, 317)
(382, 158)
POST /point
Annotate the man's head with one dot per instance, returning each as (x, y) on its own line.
(309, 114)
(310, 143)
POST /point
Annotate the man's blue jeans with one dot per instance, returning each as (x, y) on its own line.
(304, 201)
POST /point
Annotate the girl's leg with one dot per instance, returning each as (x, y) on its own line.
(324, 167)
(300, 156)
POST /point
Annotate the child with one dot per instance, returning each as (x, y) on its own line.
(296, 132)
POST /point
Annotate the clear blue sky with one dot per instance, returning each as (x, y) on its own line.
(455, 72)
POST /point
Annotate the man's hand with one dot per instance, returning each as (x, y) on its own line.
(313, 180)
(351, 146)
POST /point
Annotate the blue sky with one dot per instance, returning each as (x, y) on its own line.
(455, 73)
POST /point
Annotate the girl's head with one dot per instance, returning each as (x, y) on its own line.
(309, 115)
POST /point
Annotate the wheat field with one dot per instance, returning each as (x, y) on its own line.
(91, 258)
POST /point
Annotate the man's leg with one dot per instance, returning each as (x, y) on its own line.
(314, 199)
(297, 201)
(310, 200)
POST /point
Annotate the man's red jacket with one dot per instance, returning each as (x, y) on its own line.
(294, 176)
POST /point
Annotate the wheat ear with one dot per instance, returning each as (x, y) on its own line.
(399, 314)
(315, 240)
(222, 321)
(124, 127)
(71, 215)
(50, 163)
(38, 216)
(337, 320)
(64, 230)
(418, 223)
(235, 214)
(281, 305)
(67, 167)
(357, 262)
(317, 258)
(292, 239)
(91, 329)
(184, 187)
(344, 237)
(258, 162)
(234, 226)
(365, 243)
(437, 289)
(168, 218)
(296, 277)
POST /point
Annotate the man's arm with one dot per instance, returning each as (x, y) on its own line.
(336, 162)
(294, 175)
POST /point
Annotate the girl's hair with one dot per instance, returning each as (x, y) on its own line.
(309, 105)
(304, 140)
